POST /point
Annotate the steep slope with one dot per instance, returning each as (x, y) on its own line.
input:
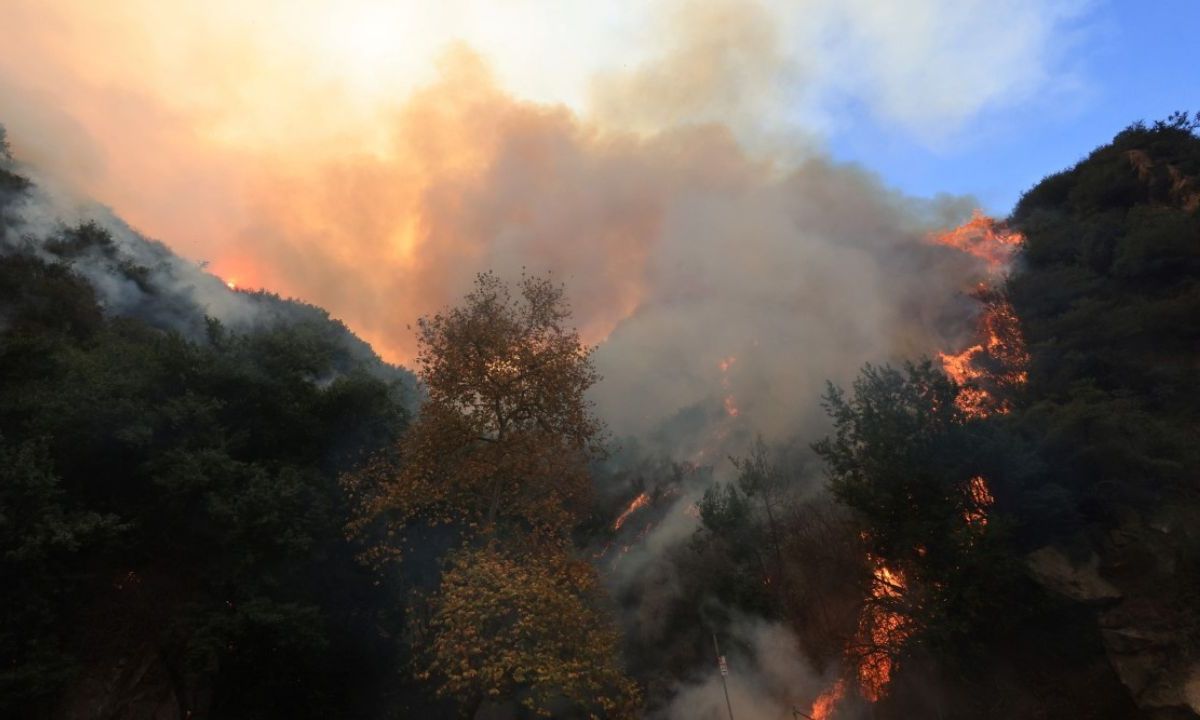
(1109, 300)
(171, 523)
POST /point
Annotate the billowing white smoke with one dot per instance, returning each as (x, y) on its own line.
(726, 273)
(186, 293)
(768, 677)
(788, 283)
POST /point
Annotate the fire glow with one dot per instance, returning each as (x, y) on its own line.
(881, 631)
(999, 329)
(729, 402)
(985, 238)
(823, 706)
(638, 503)
(980, 500)
(1003, 344)
(998, 359)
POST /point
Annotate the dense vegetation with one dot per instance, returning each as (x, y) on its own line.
(1042, 560)
(1096, 463)
(240, 518)
(170, 514)
(499, 459)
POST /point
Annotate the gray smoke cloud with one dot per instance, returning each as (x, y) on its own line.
(135, 276)
(724, 283)
(768, 676)
(174, 292)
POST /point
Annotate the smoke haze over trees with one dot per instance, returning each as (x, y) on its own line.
(220, 503)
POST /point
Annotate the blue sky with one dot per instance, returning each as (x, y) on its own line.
(1122, 61)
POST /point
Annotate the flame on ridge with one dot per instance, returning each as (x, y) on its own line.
(882, 629)
(1004, 345)
(983, 237)
(638, 503)
(981, 499)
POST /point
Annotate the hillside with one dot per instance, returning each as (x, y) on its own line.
(191, 478)
(1109, 300)
(170, 515)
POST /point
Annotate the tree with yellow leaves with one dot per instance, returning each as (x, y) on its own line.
(524, 627)
(500, 452)
(505, 435)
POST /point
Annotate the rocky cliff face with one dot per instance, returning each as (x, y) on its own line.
(1140, 625)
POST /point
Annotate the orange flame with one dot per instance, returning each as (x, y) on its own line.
(996, 244)
(1005, 346)
(638, 503)
(981, 499)
(881, 632)
(826, 702)
(731, 408)
(985, 238)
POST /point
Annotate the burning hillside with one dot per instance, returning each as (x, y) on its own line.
(987, 373)
(726, 399)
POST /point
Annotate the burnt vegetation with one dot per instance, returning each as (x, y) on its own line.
(203, 520)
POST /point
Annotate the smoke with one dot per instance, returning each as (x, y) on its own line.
(133, 276)
(684, 201)
(768, 677)
(663, 160)
(314, 148)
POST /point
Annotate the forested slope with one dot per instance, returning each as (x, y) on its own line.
(175, 458)
(171, 523)
(1109, 299)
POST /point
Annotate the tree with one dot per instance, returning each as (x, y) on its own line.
(40, 536)
(500, 453)
(908, 460)
(524, 626)
(744, 519)
(504, 438)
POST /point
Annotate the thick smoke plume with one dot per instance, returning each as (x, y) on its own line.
(768, 677)
(725, 266)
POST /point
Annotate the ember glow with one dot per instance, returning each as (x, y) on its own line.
(882, 630)
(638, 503)
(980, 499)
(998, 361)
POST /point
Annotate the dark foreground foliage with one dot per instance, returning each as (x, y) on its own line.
(170, 515)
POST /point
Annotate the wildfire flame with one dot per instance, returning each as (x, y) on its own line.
(999, 330)
(638, 503)
(999, 359)
(981, 499)
(881, 631)
(985, 238)
(1004, 345)
(826, 702)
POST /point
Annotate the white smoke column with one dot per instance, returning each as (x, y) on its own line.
(765, 682)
